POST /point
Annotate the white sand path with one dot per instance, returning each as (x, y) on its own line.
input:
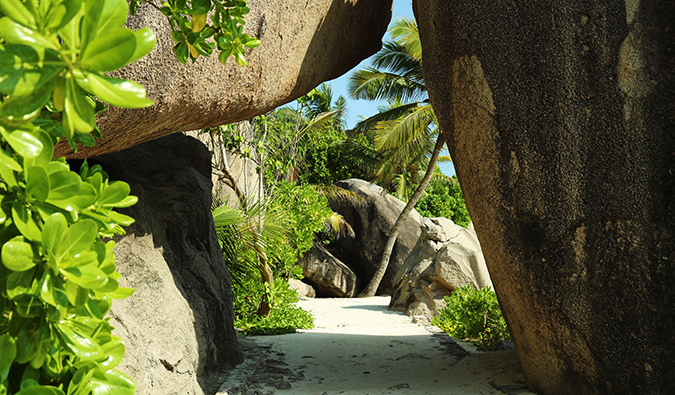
(360, 347)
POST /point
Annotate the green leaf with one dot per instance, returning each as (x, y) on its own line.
(15, 33)
(78, 341)
(24, 68)
(73, 7)
(37, 183)
(53, 232)
(117, 92)
(110, 52)
(46, 153)
(41, 390)
(18, 12)
(17, 254)
(24, 143)
(27, 342)
(7, 167)
(8, 352)
(102, 16)
(121, 293)
(24, 221)
(78, 238)
(77, 296)
(64, 185)
(116, 192)
(78, 114)
(145, 41)
(28, 306)
(113, 352)
(87, 277)
(84, 198)
(117, 383)
(121, 219)
(19, 283)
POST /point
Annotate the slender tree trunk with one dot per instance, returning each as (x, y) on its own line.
(374, 283)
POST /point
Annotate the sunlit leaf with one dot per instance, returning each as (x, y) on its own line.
(17, 254)
(78, 341)
(37, 183)
(24, 221)
(64, 185)
(87, 277)
(102, 16)
(78, 114)
(110, 51)
(116, 383)
(18, 12)
(117, 92)
(15, 33)
(145, 41)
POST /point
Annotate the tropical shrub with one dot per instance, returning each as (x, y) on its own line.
(58, 277)
(473, 315)
(285, 316)
(443, 198)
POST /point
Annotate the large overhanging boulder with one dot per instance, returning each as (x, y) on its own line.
(559, 117)
(303, 44)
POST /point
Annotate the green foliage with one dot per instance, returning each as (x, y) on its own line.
(306, 212)
(286, 232)
(285, 317)
(473, 315)
(194, 36)
(58, 277)
(443, 198)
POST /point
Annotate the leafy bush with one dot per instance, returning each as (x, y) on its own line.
(58, 277)
(285, 317)
(443, 198)
(473, 315)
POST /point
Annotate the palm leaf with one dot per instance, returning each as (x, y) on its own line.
(397, 133)
(373, 84)
(390, 114)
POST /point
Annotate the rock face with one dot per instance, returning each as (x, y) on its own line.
(559, 118)
(178, 325)
(328, 275)
(446, 256)
(372, 218)
(303, 44)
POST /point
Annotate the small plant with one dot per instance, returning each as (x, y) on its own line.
(285, 316)
(473, 315)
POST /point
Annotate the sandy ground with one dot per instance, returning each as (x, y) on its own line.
(360, 347)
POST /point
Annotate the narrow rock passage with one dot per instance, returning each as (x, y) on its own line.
(360, 347)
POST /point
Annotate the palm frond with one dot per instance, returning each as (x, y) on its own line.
(336, 225)
(396, 58)
(373, 84)
(390, 114)
(397, 133)
(405, 32)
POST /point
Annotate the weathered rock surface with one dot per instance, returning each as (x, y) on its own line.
(446, 256)
(559, 118)
(178, 325)
(371, 218)
(328, 275)
(303, 44)
(304, 290)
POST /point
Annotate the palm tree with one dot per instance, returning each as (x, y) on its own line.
(403, 133)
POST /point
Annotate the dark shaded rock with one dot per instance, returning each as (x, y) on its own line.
(372, 217)
(327, 275)
(446, 256)
(303, 44)
(178, 325)
(559, 118)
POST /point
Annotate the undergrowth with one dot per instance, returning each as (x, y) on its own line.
(473, 315)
